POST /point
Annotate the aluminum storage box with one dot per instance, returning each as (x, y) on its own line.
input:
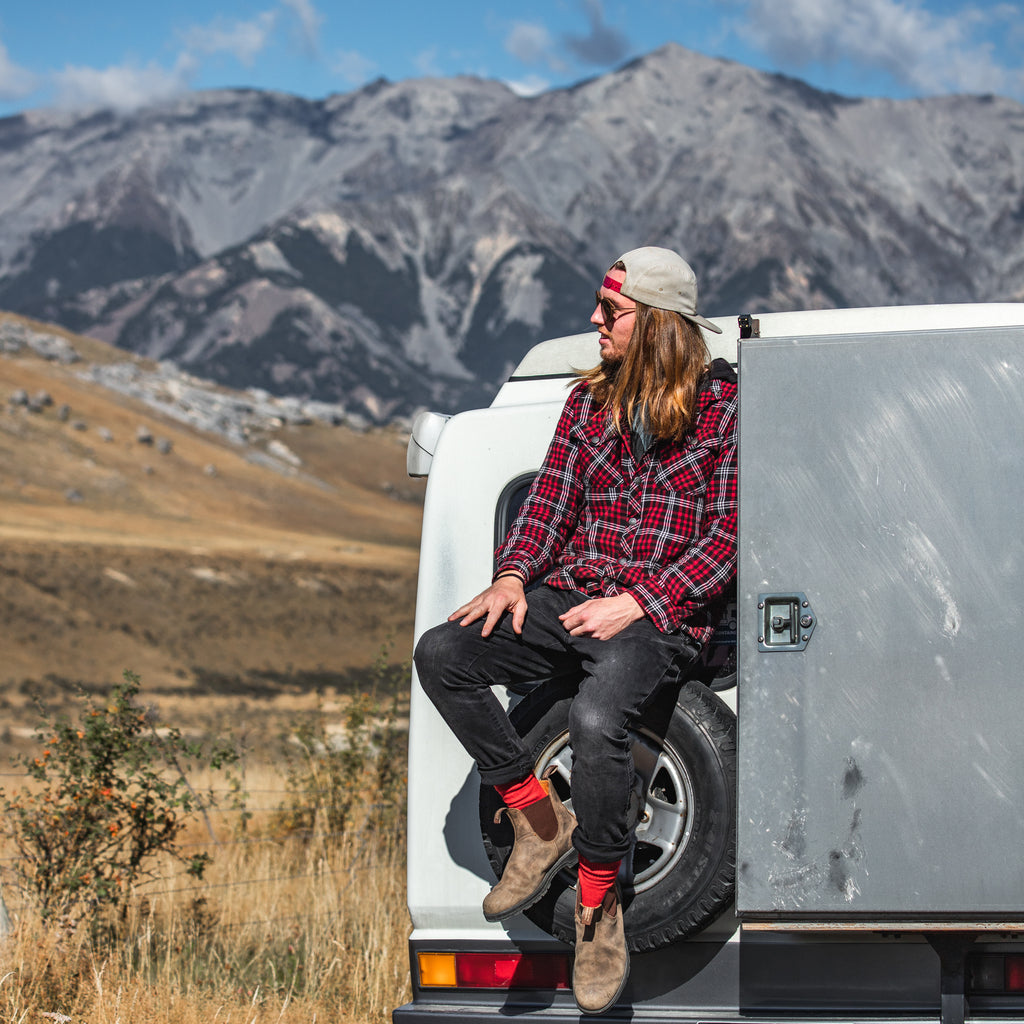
(881, 619)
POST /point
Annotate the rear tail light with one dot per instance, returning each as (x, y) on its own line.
(494, 970)
(1015, 973)
(996, 973)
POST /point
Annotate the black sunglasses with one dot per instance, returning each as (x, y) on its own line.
(609, 311)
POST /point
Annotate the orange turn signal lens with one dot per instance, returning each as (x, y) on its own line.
(437, 970)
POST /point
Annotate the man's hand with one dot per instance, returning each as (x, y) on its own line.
(503, 595)
(602, 617)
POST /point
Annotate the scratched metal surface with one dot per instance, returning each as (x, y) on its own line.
(882, 769)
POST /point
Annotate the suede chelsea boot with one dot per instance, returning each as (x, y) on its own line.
(542, 847)
(602, 961)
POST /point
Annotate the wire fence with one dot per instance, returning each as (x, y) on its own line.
(302, 833)
(361, 838)
(228, 811)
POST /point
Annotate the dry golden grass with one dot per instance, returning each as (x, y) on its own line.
(281, 929)
(246, 599)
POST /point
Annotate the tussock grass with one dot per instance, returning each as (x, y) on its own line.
(285, 927)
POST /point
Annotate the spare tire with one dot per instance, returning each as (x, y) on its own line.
(683, 869)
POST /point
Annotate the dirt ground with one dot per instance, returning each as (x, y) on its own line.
(239, 595)
(212, 636)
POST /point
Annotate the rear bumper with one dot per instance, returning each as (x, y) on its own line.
(770, 978)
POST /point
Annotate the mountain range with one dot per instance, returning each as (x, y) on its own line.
(404, 244)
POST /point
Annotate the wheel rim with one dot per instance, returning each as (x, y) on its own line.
(663, 793)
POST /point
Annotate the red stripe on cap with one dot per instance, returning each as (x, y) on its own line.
(610, 282)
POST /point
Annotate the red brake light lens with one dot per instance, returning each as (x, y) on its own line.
(494, 970)
(996, 973)
(1014, 973)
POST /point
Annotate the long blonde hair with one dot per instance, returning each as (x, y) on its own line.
(657, 377)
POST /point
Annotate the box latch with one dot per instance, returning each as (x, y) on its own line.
(786, 622)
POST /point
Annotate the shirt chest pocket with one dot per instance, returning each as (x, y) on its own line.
(600, 464)
(685, 473)
(605, 489)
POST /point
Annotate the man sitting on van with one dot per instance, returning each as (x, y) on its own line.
(609, 574)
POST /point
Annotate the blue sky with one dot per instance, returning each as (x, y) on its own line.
(112, 52)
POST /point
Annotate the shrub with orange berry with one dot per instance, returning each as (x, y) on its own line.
(108, 794)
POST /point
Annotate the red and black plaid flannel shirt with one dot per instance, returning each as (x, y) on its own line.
(660, 525)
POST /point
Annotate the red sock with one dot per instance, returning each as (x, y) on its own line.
(595, 880)
(522, 794)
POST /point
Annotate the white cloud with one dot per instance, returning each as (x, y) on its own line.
(124, 87)
(353, 66)
(426, 64)
(15, 82)
(131, 85)
(310, 20)
(533, 44)
(243, 40)
(929, 52)
(602, 45)
(529, 42)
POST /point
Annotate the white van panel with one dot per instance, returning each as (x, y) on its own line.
(449, 875)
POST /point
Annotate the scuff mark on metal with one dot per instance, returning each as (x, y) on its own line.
(853, 779)
(794, 844)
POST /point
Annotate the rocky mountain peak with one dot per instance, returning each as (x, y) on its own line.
(403, 244)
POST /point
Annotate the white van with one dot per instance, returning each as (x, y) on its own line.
(830, 813)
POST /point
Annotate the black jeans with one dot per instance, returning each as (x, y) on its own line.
(457, 668)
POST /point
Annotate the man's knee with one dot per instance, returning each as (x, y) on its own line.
(435, 651)
(445, 653)
(595, 729)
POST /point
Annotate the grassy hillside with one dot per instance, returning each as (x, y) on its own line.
(212, 575)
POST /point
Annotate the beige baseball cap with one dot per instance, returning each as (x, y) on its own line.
(663, 279)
